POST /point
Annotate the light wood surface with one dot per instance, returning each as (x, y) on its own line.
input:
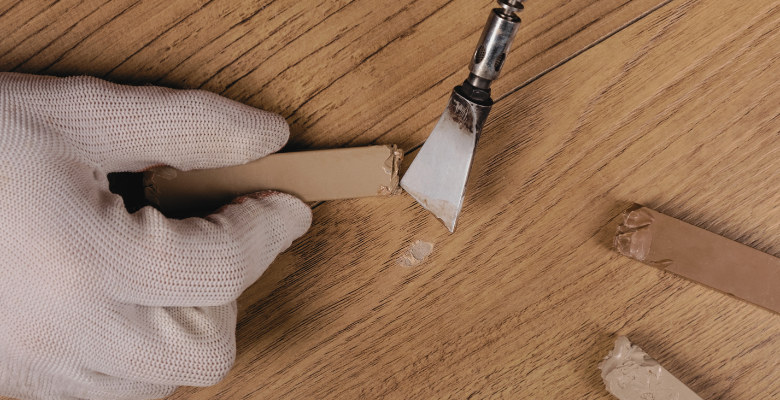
(343, 72)
(676, 108)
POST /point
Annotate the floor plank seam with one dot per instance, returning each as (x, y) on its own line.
(583, 50)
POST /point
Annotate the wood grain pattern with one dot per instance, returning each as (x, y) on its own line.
(343, 72)
(677, 111)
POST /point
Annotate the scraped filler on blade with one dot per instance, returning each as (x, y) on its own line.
(437, 176)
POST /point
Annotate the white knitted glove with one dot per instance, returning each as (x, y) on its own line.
(99, 303)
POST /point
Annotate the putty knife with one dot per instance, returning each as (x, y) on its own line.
(437, 176)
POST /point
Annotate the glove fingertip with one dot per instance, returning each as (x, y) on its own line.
(264, 132)
(265, 225)
(298, 214)
(278, 125)
(280, 216)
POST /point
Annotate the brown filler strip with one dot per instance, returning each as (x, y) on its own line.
(699, 255)
(310, 175)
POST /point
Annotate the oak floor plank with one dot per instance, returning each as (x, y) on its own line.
(343, 72)
(678, 111)
(17, 14)
(6, 7)
(25, 35)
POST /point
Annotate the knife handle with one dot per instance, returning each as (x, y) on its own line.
(499, 32)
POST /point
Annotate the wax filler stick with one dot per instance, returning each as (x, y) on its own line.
(310, 175)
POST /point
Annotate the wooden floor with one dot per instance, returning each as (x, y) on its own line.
(670, 103)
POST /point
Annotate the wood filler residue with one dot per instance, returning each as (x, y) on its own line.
(416, 254)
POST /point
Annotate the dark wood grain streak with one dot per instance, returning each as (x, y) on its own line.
(334, 40)
(6, 8)
(31, 17)
(44, 47)
(64, 53)
(166, 30)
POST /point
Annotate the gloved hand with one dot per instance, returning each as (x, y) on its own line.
(96, 302)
